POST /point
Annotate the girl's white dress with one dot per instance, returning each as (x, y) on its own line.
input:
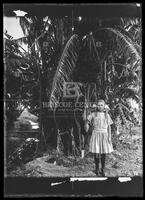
(99, 141)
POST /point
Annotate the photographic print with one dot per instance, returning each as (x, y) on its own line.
(72, 91)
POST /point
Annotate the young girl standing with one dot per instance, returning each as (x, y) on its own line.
(100, 141)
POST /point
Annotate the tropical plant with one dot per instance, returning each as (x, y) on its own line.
(35, 67)
(122, 63)
(108, 57)
(65, 68)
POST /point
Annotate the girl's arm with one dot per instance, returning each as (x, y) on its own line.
(109, 127)
(86, 125)
(88, 122)
(109, 133)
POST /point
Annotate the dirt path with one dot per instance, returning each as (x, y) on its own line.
(125, 161)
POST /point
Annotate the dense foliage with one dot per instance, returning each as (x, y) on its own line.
(109, 56)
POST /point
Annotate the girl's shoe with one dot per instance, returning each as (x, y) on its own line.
(102, 173)
(97, 173)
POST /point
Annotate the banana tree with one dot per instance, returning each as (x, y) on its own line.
(64, 72)
(107, 57)
(45, 38)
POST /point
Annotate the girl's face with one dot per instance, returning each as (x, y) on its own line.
(101, 106)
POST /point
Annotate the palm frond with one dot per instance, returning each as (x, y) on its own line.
(127, 113)
(22, 40)
(65, 68)
(25, 24)
(128, 93)
(124, 46)
(89, 42)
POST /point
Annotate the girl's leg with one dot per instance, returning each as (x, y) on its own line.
(96, 159)
(103, 156)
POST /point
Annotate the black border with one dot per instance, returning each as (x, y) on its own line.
(41, 187)
(99, 10)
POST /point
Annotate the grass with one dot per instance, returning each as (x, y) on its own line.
(126, 160)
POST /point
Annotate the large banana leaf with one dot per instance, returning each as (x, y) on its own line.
(66, 65)
(123, 45)
(126, 47)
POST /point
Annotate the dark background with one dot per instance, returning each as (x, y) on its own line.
(100, 10)
(27, 186)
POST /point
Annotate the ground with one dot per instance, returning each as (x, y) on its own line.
(126, 160)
